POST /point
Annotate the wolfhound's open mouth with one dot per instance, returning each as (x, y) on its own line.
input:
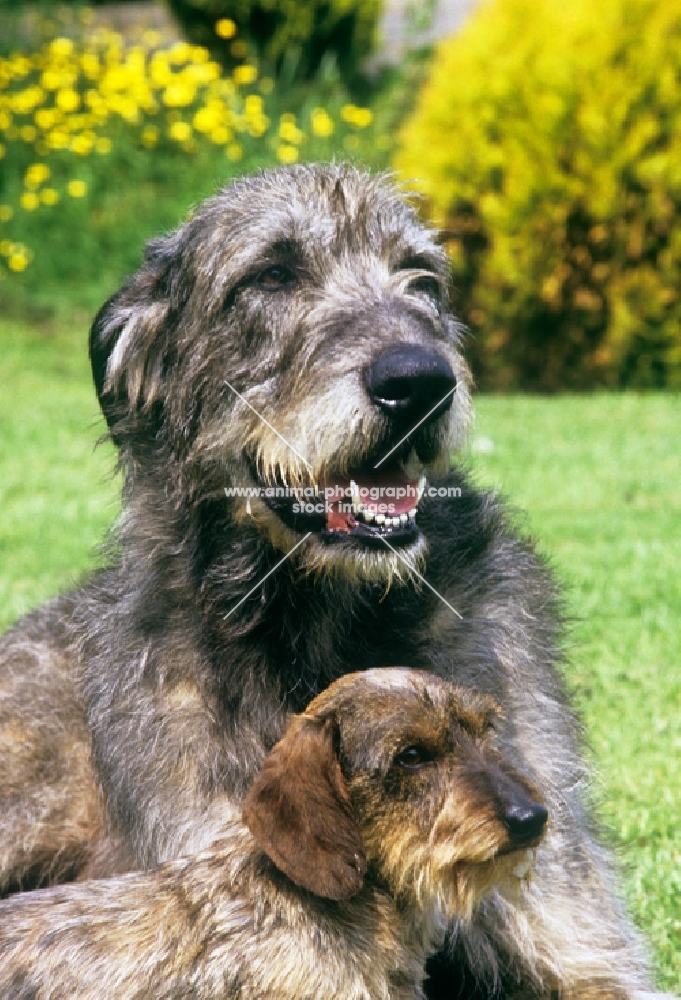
(366, 505)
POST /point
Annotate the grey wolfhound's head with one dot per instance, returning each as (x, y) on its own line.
(291, 341)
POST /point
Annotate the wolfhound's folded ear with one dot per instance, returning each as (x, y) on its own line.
(299, 812)
(129, 342)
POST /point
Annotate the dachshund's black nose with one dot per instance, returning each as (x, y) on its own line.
(526, 822)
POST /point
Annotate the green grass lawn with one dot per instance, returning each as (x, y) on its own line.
(597, 481)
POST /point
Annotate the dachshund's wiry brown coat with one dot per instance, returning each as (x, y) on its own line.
(387, 799)
(295, 331)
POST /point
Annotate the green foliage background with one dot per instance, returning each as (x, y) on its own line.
(548, 143)
(292, 36)
(105, 142)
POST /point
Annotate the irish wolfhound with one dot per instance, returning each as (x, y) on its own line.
(294, 334)
(386, 800)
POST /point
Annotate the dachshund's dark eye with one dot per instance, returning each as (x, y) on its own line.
(413, 758)
(275, 277)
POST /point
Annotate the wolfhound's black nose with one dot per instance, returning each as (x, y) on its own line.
(406, 381)
(525, 822)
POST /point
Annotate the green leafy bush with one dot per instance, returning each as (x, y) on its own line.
(548, 144)
(289, 35)
(104, 142)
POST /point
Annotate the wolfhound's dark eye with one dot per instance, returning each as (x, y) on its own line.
(426, 281)
(413, 758)
(275, 277)
(426, 284)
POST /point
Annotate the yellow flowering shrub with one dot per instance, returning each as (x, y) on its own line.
(87, 121)
(297, 32)
(547, 142)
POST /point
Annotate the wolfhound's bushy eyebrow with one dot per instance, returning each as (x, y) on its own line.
(280, 250)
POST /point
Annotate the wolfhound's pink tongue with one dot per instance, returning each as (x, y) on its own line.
(390, 492)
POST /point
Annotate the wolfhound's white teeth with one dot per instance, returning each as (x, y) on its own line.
(380, 519)
(422, 486)
(396, 522)
(248, 506)
(412, 513)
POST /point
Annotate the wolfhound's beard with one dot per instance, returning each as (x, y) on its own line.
(382, 561)
(356, 498)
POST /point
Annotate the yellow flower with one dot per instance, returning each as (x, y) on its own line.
(287, 154)
(51, 80)
(57, 139)
(61, 48)
(77, 189)
(82, 144)
(20, 66)
(28, 133)
(289, 132)
(321, 123)
(67, 99)
(18, 260)
(49, 196)
(258, 126)
(90, 63)
(220, 135)
(45, 118)
(253, 104)
(198, 54)
(29, 201)
(234, 151)
(178, 95)
(25, 101)
(360, 117)
(149, 136)
(96, 102)
(160, 73)
(36, 175)
(363, 117)
(225, 28)
(179, 53)
(103, 145)
(180, 131)
(206, 119)
(6, 213)
(245, 74)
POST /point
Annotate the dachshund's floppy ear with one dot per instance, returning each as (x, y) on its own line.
(128, 343)
(299, 812)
